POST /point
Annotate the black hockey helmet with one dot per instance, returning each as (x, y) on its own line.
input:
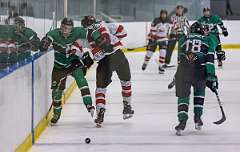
(180, 6)
(206, 9)
(196, 28)
(163, 11)
(67, 21)
(88, 21)
(66, 26)
(19, 21)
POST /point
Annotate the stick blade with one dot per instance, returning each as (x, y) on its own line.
(220, 121)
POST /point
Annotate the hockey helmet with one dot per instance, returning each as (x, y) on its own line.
(67, 21)
(66, 26)
(19, 23)
(163, 11)
(88, 21)
(196, 28)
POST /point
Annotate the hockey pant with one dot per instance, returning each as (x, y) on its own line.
(114, 62)
(59, 77)
(151, 48)
(183, 90)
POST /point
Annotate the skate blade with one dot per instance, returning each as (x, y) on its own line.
(197, 127)
(179, 133)
(52, 124)
(98, 125)
(92, 114)
(160, 72)
(127, 116)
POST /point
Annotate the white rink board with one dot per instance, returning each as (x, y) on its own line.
(42, 82)
(16, 101)
(15, 108)
(152, 127)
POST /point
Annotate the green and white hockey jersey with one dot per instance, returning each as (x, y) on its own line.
(213, 22)
(198, 50)
(62, 45)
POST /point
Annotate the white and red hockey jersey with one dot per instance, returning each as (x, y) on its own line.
(159, 29)
(117, 30)
(111, 31)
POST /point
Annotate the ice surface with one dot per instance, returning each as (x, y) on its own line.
(152, 127)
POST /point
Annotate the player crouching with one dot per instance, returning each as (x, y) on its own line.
(196, 68)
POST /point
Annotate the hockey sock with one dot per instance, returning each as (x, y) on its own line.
(148, 56)
(57, 102)
(183, 103)
(100, 95)
(198, 102)
(162, 55)
(83, 86)
(126, 91)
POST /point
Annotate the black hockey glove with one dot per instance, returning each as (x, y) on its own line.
(225, 32)
(221, 55)
(76, 63)
(212, 83)
(44, 44)
(104, 44)
(87, 60)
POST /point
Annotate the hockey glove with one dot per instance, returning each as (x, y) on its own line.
(225, 32)
(87, 60)
(221, 55)
(104, 44)
(212, 83)
(44, 44)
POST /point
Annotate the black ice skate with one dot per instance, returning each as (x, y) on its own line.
(161, 70)
(127, 110)
(56, 115)
(198, 123)
(220, 64)
(100, 117)
(144, 66)
(171, 84)
(55, 119)
(90, 109)
(165, 66)
(180, 127)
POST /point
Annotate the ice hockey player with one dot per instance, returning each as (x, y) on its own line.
(158, 36)
(196, 68)
(67, 62)
(17, 42)
(107, 52)
(213, 21)
(27, 39)
(179, 27)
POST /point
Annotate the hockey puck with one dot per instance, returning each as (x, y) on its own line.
(87, 140)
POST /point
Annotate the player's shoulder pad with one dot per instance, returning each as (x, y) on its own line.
(200, 19)
(29, 31)
(216, 17)
(53, 33)
(156, 21)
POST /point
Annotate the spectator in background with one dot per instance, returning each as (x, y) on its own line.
(16, 42)
(11, 16)
(8, 48)
(26, 39)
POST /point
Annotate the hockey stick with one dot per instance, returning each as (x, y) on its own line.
(221, 107)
